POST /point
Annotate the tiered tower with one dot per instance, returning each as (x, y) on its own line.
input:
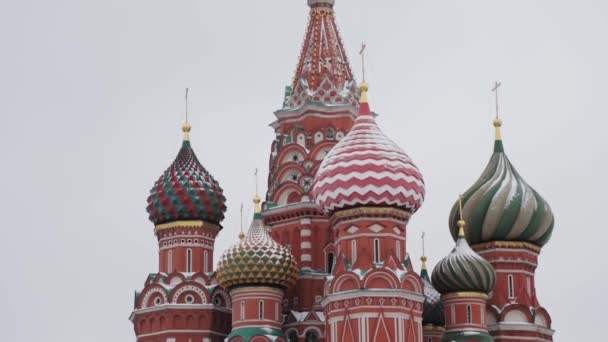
(369, 187)
(464, 280)
(182, 302)
(318, 111)
(433, 319)
(509, 222)
(257, 271)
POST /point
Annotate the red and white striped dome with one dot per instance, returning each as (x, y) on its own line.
(366, 168)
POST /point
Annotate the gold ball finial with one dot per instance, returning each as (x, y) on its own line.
(241, 236)
(186, 128)
(364, 87)
(461, 224)
(497, 122)
(423, 258)
(256, 201)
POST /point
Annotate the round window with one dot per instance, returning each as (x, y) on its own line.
(189, 299)
(157, 301)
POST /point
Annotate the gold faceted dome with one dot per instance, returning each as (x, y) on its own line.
(257, 259)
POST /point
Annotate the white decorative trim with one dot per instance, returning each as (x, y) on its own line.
(305, 245)
(305, 232)
(306, 257)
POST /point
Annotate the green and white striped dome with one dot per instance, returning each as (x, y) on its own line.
(501, 206)
(463, 270)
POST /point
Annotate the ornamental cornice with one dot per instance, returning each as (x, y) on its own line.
(370, 212)
(464, 295)
(506, 245)
(186, 224)
(294, 211)
(373, 293)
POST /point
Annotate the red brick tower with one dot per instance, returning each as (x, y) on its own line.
(509, 222)
(318, 111)
(182, 302)
(369, 187)
(257, 271)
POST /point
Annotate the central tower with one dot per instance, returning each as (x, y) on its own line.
(318, 110)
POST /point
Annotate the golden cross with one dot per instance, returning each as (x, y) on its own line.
(362, 53)
(495, 90)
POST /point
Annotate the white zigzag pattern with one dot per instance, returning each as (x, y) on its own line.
(406, 164)
(362, 191)
(330, 157)
(369, 175)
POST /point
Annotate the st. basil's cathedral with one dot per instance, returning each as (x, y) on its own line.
(325, 257)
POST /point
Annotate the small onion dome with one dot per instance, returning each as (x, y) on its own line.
(366, 168)
(501, 206)
(186, 191)
(433, 306)
(463, 270)
(257, 259)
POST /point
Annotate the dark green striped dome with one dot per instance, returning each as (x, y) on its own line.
(501, 206)
(463, 270)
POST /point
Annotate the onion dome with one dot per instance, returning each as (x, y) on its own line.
(463, 270)
(366, 168)
(257, 259)
(186, 191)
(501, 206)
(433, 307)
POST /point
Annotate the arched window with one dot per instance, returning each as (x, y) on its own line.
(242, 310)
(292, 336)
(510, 285)
(353, 251)
(188, 260)
(376, 250)
(330, 262)
(469, 314)
(170, 261)
(261, 309)
(312, 336)
(205, 261)
(276, 311)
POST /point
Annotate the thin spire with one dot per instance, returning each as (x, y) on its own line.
(423, 258)
(186, 127)
(461, 223)
(497, 120)
(241, 234)
(256, 199)
(364, 87)
(362, 53)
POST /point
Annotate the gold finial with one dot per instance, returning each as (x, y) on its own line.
(256, 199)
(186, 127)
(423, 259)
(257, 202)
(363, 87)
(241, 234)
(461, 224)
(497, 120)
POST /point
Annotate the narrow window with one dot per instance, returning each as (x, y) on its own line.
(376, 250)
(242, 310)
(206, 261)
(398, 249)
(276, 311)
(330, 262)
(353, 251)
(511, 289)
(261, 310)
(529, 285)
(170, 261)
(469, 314)
(188, 260)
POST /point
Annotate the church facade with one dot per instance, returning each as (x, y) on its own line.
(326, 257)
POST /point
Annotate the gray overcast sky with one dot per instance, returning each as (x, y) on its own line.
(91, 101)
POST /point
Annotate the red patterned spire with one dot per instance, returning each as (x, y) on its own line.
(323, 74)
